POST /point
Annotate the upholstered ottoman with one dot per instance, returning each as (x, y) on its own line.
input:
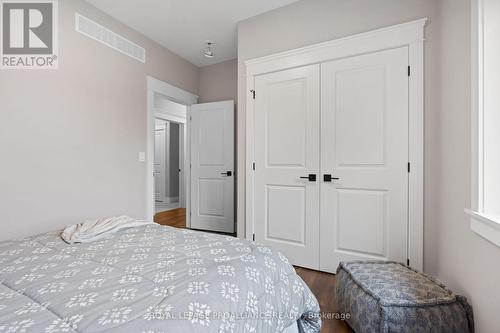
(390, 297)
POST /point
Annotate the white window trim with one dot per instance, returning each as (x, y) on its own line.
(485, 225)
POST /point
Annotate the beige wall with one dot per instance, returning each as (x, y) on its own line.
(467, 263)
(69, 138)
(218, 82)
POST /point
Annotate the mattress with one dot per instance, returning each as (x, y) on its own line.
(151, 279)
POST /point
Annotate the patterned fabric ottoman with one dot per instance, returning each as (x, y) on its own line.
(390, 297)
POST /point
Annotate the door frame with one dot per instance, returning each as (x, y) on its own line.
(177, 95)
(410, 35)
(169, 119)
(164, 166)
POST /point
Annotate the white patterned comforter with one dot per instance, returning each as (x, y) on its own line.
(150, 279)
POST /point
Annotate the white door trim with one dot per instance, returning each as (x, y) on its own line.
(163, 189)
(177, 95)
(409, 34)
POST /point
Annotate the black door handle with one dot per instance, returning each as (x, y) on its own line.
(328, 178)
(227, 173)
(311, 177)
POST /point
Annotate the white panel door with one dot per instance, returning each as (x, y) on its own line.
(159, 165)
(364, 143)
(212, 166)
(286, 210)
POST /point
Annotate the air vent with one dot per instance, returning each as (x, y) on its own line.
(99, 33)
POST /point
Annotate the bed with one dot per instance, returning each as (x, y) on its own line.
(151, 279)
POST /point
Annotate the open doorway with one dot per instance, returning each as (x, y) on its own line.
(168, 156)
(169, 160)
(167, 195)
(190, 160)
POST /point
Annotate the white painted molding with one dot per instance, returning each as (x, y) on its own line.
(486, 226)
(380, 39)
(171, 92)
(162, 114)
(409, 35)
(249, 158)
(416, 156)
(477, 70)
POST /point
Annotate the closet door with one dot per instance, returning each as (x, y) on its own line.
(286, 202)
(364, 143)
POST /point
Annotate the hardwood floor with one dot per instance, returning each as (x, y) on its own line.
(323, 287)
(177, 218)
(174, 218)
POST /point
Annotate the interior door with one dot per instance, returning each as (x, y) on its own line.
(212, 166)
(365, 145)
(286, 210)
(159, 165)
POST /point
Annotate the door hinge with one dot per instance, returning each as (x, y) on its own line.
(253, 93)
(409, 167)
(409, 70)
(407, 262)
(189, 213)
(253, 166)
(253, 237)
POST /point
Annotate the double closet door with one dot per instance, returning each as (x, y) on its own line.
(331, 155)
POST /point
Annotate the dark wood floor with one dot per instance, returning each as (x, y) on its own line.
(174, 218)
(323, 287)
(321, 284)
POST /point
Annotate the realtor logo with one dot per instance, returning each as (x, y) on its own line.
(29, 34)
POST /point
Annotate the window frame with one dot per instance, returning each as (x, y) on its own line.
(485, 225)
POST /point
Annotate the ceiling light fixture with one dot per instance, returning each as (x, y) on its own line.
(208, 53)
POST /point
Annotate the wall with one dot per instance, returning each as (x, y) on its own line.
(69, 138)
(466, 262)
(219, 82)
(452, 253)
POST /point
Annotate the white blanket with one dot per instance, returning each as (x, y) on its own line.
(90, 231)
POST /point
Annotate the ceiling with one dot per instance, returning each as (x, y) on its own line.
(183, 26)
